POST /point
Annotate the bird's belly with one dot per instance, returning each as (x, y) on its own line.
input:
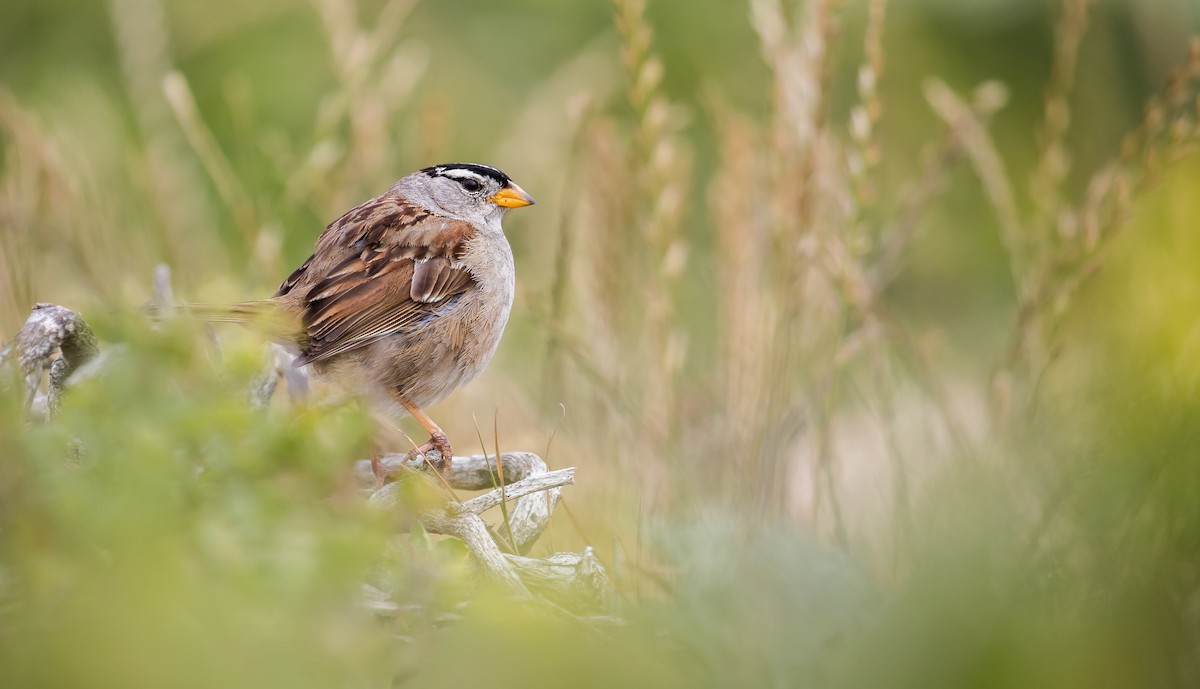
(427, 365)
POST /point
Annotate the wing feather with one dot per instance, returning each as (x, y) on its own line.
(383, 268)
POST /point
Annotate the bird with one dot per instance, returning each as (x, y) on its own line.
(405, 296)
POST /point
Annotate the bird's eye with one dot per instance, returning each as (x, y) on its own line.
(471, 185)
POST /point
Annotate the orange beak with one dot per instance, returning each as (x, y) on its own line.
(512, 196)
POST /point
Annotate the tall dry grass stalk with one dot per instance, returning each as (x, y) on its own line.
(791, 287)
(1067, 235)
(805, 249)
(55, 219)
(659, 163)
(747, 319)
(172, 184)
(1053, 164)
(630, 345)
(351, 152)
(29, 181)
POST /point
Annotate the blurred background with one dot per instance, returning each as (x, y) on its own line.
(872, 327)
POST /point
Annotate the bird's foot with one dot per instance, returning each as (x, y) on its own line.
(438, 441)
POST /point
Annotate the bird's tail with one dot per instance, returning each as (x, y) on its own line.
(264, 316)
(240, 312)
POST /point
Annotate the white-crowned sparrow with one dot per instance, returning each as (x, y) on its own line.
(406, 296)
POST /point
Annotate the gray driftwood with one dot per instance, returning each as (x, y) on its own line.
(52, 336)
(559, 577)
(572, 579)
(464, 473)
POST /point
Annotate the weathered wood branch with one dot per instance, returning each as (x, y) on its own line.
(278, 367)
(566, 578)
(476, 472)
(575, 578)
(49, 330)
(535, 498)
(520, 489)
(473, 532)
(525, 474)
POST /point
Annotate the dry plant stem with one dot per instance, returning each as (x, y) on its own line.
(572, 197)
(1060, 262)
(807, 197)
(661, 168)
(143, 45)
(819, 31)
(1038, 252)
(865, 116)
(500, 474)
(1054, 163)
(919, 195)
(968, 127)
(202, 140)
(827, 483)
(918, 360)
(376, 72)
(25, 190)
(886, 380)
(741, 304)
(1167, 131)
(916, 197)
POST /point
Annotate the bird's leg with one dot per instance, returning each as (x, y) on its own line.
(377, 468)
(437, 437)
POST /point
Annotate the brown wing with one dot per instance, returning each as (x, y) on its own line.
(383, 268)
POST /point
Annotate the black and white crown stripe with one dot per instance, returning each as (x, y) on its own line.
(465, 170)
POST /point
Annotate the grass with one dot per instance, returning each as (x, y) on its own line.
(874, 373)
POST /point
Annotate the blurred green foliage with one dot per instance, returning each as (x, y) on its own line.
(979, 502)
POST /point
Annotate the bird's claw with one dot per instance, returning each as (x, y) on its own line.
(437, 441)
